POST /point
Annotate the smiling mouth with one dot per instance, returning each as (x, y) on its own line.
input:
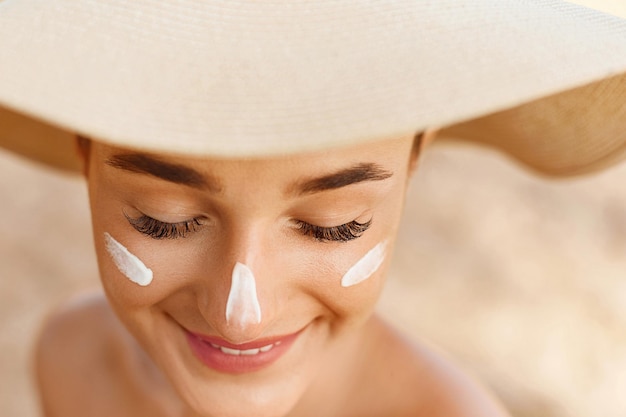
(222, 356)
(245, 352)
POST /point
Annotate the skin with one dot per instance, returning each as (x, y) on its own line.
(128, 355)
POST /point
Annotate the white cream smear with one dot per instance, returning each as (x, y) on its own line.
(366, 266)
(128, 264)
(242, 306)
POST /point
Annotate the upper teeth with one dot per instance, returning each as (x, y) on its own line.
(248, 352)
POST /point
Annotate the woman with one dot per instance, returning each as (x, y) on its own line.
(247, 165)
(263, 275)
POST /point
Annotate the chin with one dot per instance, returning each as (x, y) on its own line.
(273, 391)
(236, 409)
(245, 399)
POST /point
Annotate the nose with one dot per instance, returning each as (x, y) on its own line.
(239, 298)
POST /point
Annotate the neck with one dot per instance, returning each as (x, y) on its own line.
(338, 386)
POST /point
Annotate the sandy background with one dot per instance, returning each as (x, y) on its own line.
(521, 280)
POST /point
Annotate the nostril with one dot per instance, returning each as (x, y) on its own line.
(242, 307)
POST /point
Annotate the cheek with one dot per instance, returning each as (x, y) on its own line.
(347, 282)
(136, 273)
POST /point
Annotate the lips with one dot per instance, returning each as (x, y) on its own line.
(245, 352)
(222, 356)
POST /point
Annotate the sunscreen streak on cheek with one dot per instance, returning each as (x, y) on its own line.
(366, 266)
(242, 307)
(128, 264)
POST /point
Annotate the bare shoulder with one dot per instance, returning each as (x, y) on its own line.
(86, 362)
(431, 384)
(451, 391)
(73, 343)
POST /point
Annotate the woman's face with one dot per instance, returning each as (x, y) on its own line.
(259, 270)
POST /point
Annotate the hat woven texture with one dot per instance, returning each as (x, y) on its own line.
(541, 80)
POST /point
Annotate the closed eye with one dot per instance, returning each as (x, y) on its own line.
(157, 229)
(343, 233)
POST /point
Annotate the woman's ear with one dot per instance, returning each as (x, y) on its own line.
(421, 141)
(83, 148)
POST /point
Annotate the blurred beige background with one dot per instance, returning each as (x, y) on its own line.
(521, 280)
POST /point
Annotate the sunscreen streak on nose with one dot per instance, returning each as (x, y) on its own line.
(366, 266)
(127, 263)
(242, 307)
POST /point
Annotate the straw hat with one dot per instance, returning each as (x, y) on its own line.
(544, 80)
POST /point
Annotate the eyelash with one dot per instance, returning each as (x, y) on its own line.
(157, 229)
(342, 233)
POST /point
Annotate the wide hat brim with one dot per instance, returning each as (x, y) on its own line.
(541, 80)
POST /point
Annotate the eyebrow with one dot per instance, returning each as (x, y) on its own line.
(355, 174)
(179, 174)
